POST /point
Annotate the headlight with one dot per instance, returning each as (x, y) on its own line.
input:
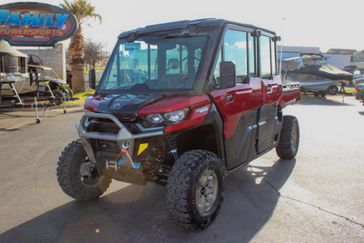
(155, 118)
(176, 116)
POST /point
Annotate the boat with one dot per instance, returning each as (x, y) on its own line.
(26, 80)
(13, 68)
(313, 74)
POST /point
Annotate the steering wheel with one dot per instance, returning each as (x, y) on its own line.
(194, 58)
(140, 87)
(184, 82)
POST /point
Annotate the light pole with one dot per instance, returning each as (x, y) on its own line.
(281, 54)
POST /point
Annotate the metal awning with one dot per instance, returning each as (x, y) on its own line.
(7, 49)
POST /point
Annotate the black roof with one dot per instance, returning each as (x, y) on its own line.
(208, 22)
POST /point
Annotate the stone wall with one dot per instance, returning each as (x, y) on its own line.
(54, 57)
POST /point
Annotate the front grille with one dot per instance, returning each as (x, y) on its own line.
(108, 126)
(129, 121)
(102, 126)
(132, 128)
(127, 118)
(108, 146)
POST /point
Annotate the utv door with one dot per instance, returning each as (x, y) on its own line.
(238, 105)
(271, 91)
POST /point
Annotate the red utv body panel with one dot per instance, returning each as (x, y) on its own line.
(173, 103)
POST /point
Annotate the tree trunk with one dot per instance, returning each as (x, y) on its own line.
(78, 78)
(76, 50)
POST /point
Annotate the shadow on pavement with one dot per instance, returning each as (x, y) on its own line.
(8, 129)
(361, 113)
(322, 102)
(137, 214)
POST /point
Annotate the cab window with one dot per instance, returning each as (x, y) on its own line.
(273, 56)
(265, 57)
(251, 50)
(235, 50)
(240, 48)
(177, 60)
(216, 75)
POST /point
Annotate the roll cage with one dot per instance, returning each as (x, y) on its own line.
(214, 29)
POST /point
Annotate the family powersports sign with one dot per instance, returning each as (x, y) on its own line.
(35, 24)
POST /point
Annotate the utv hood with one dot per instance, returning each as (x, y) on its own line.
(120, 104)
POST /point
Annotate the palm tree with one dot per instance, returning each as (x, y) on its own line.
(83, 11)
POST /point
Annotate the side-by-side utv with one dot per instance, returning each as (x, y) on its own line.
(183, 104)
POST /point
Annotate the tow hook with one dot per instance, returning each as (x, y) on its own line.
(124, 159)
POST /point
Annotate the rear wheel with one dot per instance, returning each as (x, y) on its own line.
(289, 138)
(77, 176)
(195, 189)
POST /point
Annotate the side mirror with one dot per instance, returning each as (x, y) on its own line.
(92, 78)
(227, 75)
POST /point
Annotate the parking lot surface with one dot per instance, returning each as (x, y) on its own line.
(318, 197)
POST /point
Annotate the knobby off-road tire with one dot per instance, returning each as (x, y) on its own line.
(289, 139)
(184, 190)
(69, 177)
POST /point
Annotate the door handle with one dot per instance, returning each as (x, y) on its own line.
(270, 89)
(229, 98)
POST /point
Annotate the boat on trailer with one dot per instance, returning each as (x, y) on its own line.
(313, 74)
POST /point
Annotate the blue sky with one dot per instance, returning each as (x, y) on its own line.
(319, 23)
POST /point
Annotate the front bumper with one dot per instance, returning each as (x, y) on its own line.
(124, 138)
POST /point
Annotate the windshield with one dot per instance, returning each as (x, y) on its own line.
(154, 63)
(316, 60)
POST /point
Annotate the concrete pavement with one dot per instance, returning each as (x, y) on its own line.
(315, 198)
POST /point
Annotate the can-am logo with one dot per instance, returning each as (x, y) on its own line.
(35, 24)
(116, 106)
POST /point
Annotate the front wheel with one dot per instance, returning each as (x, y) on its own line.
(195, 189)
(77, 176)
(59, 96)
(289, 138)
